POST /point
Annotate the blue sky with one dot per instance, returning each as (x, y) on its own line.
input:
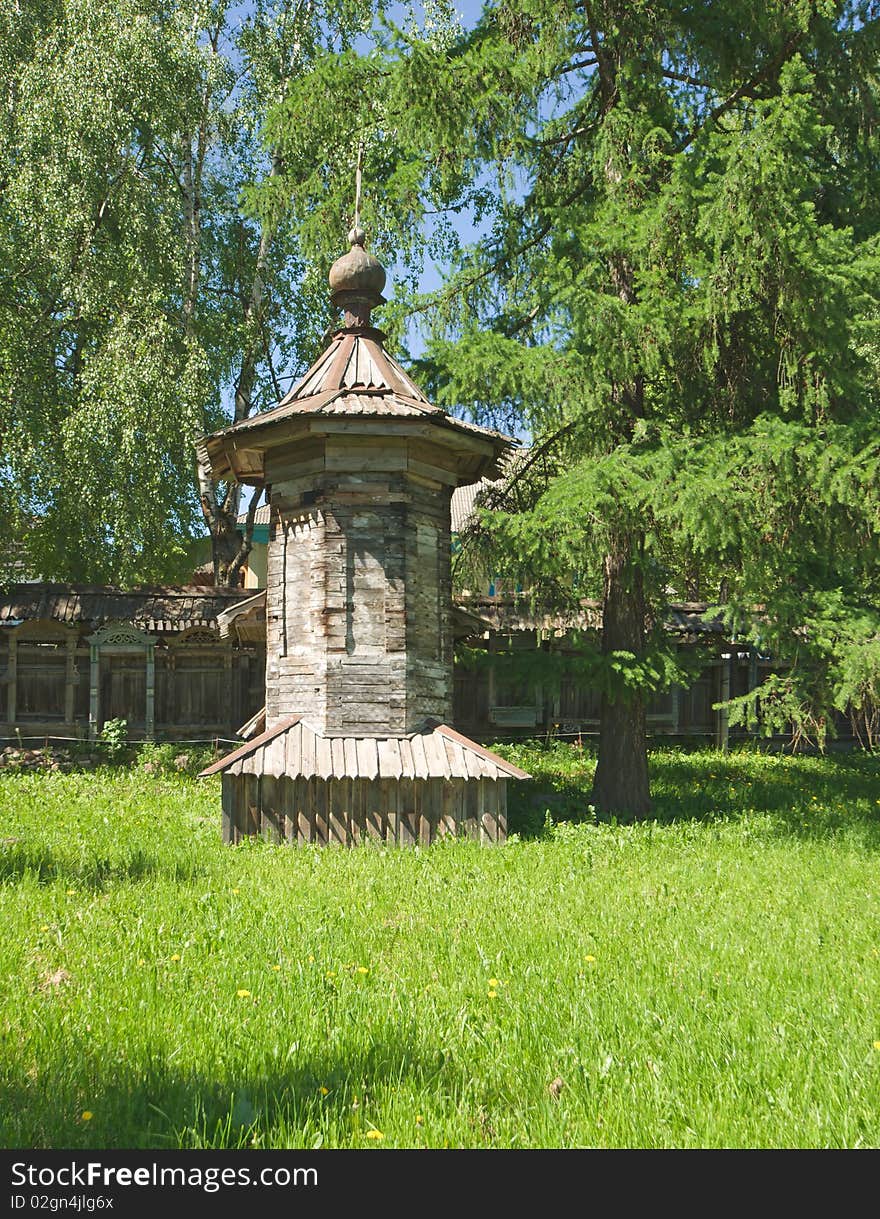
(467, 13)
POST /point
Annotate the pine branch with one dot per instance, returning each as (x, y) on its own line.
(744, 89)
(684, 79)
(501, 261)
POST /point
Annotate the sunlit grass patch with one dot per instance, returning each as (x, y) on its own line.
(706, 979)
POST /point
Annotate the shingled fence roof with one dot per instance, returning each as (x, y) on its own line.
(152, 609)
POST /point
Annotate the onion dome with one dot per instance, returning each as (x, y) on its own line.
(356, 281)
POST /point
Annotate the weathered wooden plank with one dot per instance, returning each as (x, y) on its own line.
(388, 795)
(321, 811)
(227, 797)
(455, 756)
(407, 762)
(374, 811)
(340, 799)
(420, 761)
(433, 474)
(471, 806)
(394, 752)
(428, 801)
(357, 829)
(435, 750)
(288, 806)
(472, 760)
(450, 807)
(367, 758)
(488, 811)
(323, 757)
(389, 767)
(407, 824)
(275, 759)
(488, 768)
(252, 803)
(347, 457)
(351, 760)
(308, 751)
(271, 815)
(238, 809)
(502, 809)
(305, 806)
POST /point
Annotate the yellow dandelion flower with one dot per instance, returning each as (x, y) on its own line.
(589, 957)
(375, 1134)
(141, 961)
(236, 890)
(494, 982)
(243, 994)
(86, 1115)
(45, 927)
(362, 969)
(276, 968)
(311, 959)
(71, 892)
(419, 1119)
(324, 1091)
(331, 973)
(493, 994)
(175, 956)
(877, 1045)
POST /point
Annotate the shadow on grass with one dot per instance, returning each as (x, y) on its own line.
(807, 797)
(274, 1105)
(20, 858)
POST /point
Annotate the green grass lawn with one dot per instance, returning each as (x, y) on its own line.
(709, 979)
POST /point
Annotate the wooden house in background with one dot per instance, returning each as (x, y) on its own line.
(73, 657)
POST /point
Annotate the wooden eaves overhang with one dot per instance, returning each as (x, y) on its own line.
(355, 382)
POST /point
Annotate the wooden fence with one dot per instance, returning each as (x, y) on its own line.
(63, 681)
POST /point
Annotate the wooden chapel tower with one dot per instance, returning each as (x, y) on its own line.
(359, 469)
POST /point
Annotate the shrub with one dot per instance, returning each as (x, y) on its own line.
(114, 739)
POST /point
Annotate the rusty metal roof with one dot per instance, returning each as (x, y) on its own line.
(365, 403)
(355, 360)
(355, 376)
(153, 609)
(293, 749)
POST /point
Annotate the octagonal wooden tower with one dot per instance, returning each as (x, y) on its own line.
(360, 470)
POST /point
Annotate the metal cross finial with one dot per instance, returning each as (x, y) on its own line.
(358, 174)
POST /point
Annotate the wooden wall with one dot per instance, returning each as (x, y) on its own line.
(359, 590)
(204, 691)
(488, 707)
(346, 812)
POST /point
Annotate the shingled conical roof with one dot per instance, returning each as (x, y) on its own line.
(356, 360)
(354, 376)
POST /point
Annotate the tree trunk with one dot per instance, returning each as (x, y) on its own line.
(229, 546)
(620, 786)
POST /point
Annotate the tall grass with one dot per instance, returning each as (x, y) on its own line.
(710, 978)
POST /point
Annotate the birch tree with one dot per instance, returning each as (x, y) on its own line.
(144, 301)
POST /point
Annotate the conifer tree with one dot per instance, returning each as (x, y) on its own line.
(676, 297)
